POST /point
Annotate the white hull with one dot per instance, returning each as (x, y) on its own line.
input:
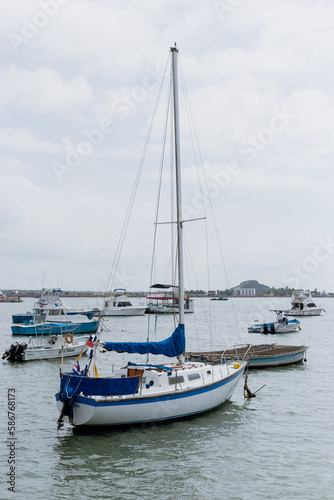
(125, 311)
(278, 361)
(154, 405)
(34, 353)
(278, 328)
(304, 312)
(167, 310)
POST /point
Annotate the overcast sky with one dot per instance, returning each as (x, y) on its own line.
(79, 82)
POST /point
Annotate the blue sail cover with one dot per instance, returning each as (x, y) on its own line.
(76, 384)
(171, 347)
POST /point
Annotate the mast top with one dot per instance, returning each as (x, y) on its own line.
(174, 49)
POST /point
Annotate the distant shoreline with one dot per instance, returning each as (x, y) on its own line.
(17, 295)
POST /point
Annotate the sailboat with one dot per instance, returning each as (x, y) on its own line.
(144, 393)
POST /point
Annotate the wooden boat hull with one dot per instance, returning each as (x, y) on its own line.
(258, 356)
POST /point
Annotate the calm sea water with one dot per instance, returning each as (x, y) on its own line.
(277, 445)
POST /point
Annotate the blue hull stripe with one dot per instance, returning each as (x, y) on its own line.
(278, 358)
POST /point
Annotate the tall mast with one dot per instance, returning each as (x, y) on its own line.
(174, 52)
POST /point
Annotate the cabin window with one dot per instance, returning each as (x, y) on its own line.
(311, 305)
(175, 380)
(194, 376)
(54, 312)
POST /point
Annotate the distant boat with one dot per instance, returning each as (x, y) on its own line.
(302, 305)
(164, 299)
(56, 346)
(119, 305)
(51, 317)
(281, 325)
(50, 300)
(58, 327)
(223, 297)
(258, 356)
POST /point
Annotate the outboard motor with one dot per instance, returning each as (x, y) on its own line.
(15, 352)
(265, 328)
(272, 328)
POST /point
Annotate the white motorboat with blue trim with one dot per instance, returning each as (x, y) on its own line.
(142, 393)
(281, 325)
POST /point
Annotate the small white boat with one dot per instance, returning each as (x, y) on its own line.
(142, 393)
(119, 305)
(302, 305)
(56, 346)
(164, 299)
(281, 325)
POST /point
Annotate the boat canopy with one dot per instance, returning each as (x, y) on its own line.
(171, 347)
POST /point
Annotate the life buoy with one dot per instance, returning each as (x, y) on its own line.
(41, 305)
(69, 338)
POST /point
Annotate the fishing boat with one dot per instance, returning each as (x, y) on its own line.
(258, 356)
(119, 305)
(50, 300)
(56, 346)
(51, 317)
(142, 393)
(302, 305)
(165, 300)
(281, 325)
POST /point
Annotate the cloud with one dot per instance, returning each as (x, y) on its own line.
(258, 78)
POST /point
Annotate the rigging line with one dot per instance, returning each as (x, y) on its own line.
(192, 126)
(172, 186)
(157, 204)
(207, 320)
(134, 190)
(160, 178)
(210, 202)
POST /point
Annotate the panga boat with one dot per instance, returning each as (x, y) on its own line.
(164, 299)
(56, 346)
(119, 305)
(281, 325)
(258, 356)
(139, 393)
(302, 305)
